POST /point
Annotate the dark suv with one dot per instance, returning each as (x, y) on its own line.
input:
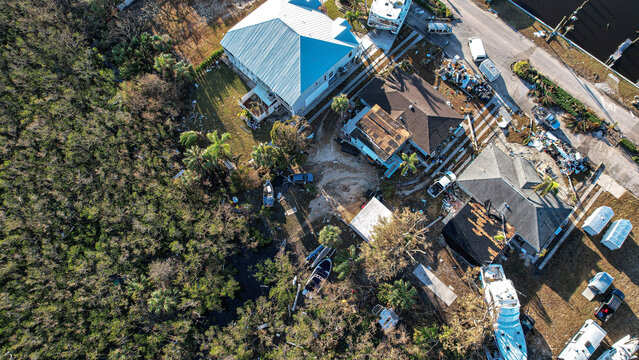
(608, 307)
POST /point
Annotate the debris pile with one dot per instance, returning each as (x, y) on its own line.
(460, 74)
(569, 160)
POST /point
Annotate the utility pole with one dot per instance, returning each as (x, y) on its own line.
(566, 22)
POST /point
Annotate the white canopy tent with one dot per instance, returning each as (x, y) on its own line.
(617, 234)
(598, 220)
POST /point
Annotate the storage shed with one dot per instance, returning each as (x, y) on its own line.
(488, 68)
(598, 220)
(617, 234)
(366, 220)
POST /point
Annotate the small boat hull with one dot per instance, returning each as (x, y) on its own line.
(318, 278)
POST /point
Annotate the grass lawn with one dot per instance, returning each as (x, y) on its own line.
(217, 100)
(554, 299)
(333, 11)
(582, 63)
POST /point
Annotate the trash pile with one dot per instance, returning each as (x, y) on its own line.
(451, 203)
(569, 160)
(460, 74)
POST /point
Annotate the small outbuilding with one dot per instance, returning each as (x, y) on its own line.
(490, 71)
(617, 234)
(598, 220)
(370, 215)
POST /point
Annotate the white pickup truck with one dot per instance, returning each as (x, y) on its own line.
(441, 184)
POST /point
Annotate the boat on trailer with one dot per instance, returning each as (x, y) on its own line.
(504, 304)
(267, 194)
(623, 349)
(318, 278)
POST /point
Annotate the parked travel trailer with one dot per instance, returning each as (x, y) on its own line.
(477, 49)
(584, 343)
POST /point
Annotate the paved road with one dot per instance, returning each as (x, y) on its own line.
(504, 46)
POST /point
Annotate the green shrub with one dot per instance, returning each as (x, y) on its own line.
(635, 159)
(208, 61)
(521, 68)
(436, 7)
(628, 145)
(559, 96)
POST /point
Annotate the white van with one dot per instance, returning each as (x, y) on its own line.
(477, 49)
(439, 28)
(584, 343)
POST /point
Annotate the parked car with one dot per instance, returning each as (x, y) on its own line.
(442, 183)
(612, 303)
(347, 147)
(300, 178)
(477, 49)
(546, 117)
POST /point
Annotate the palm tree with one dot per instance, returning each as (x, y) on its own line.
(346, 262)
(409, 163)
(190, 138)
(259, 155)
(219, 146)
(135, 287)
(162, 301)
(340, 104)
(352, 16)
(195, 160)
(549, 185)
(400, 295)
(329, 236)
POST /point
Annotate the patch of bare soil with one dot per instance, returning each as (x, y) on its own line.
(198, 27)
(342, 179)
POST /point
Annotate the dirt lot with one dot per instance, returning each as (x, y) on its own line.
(342, 178)
(554, 299)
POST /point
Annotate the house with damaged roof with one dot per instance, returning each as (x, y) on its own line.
(504, 184)
(401, 113)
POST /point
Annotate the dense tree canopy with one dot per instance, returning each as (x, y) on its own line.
(116, 233)
(101, 252)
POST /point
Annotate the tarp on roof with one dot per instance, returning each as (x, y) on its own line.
(472, 233)
(598, 220)
(617, 234)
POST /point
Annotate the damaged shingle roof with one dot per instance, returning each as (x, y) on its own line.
(507, 183)
(429, 120)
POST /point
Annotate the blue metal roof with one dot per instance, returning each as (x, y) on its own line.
(289, 44)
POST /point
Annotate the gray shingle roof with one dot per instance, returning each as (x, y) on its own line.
(497, 178)
(429, 120)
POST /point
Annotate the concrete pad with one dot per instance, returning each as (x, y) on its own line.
(383, 39)
(611, 186)
(434, 284)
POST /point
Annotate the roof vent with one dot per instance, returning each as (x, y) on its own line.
(411, 107)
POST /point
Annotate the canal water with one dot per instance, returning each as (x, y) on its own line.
(601, 27)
